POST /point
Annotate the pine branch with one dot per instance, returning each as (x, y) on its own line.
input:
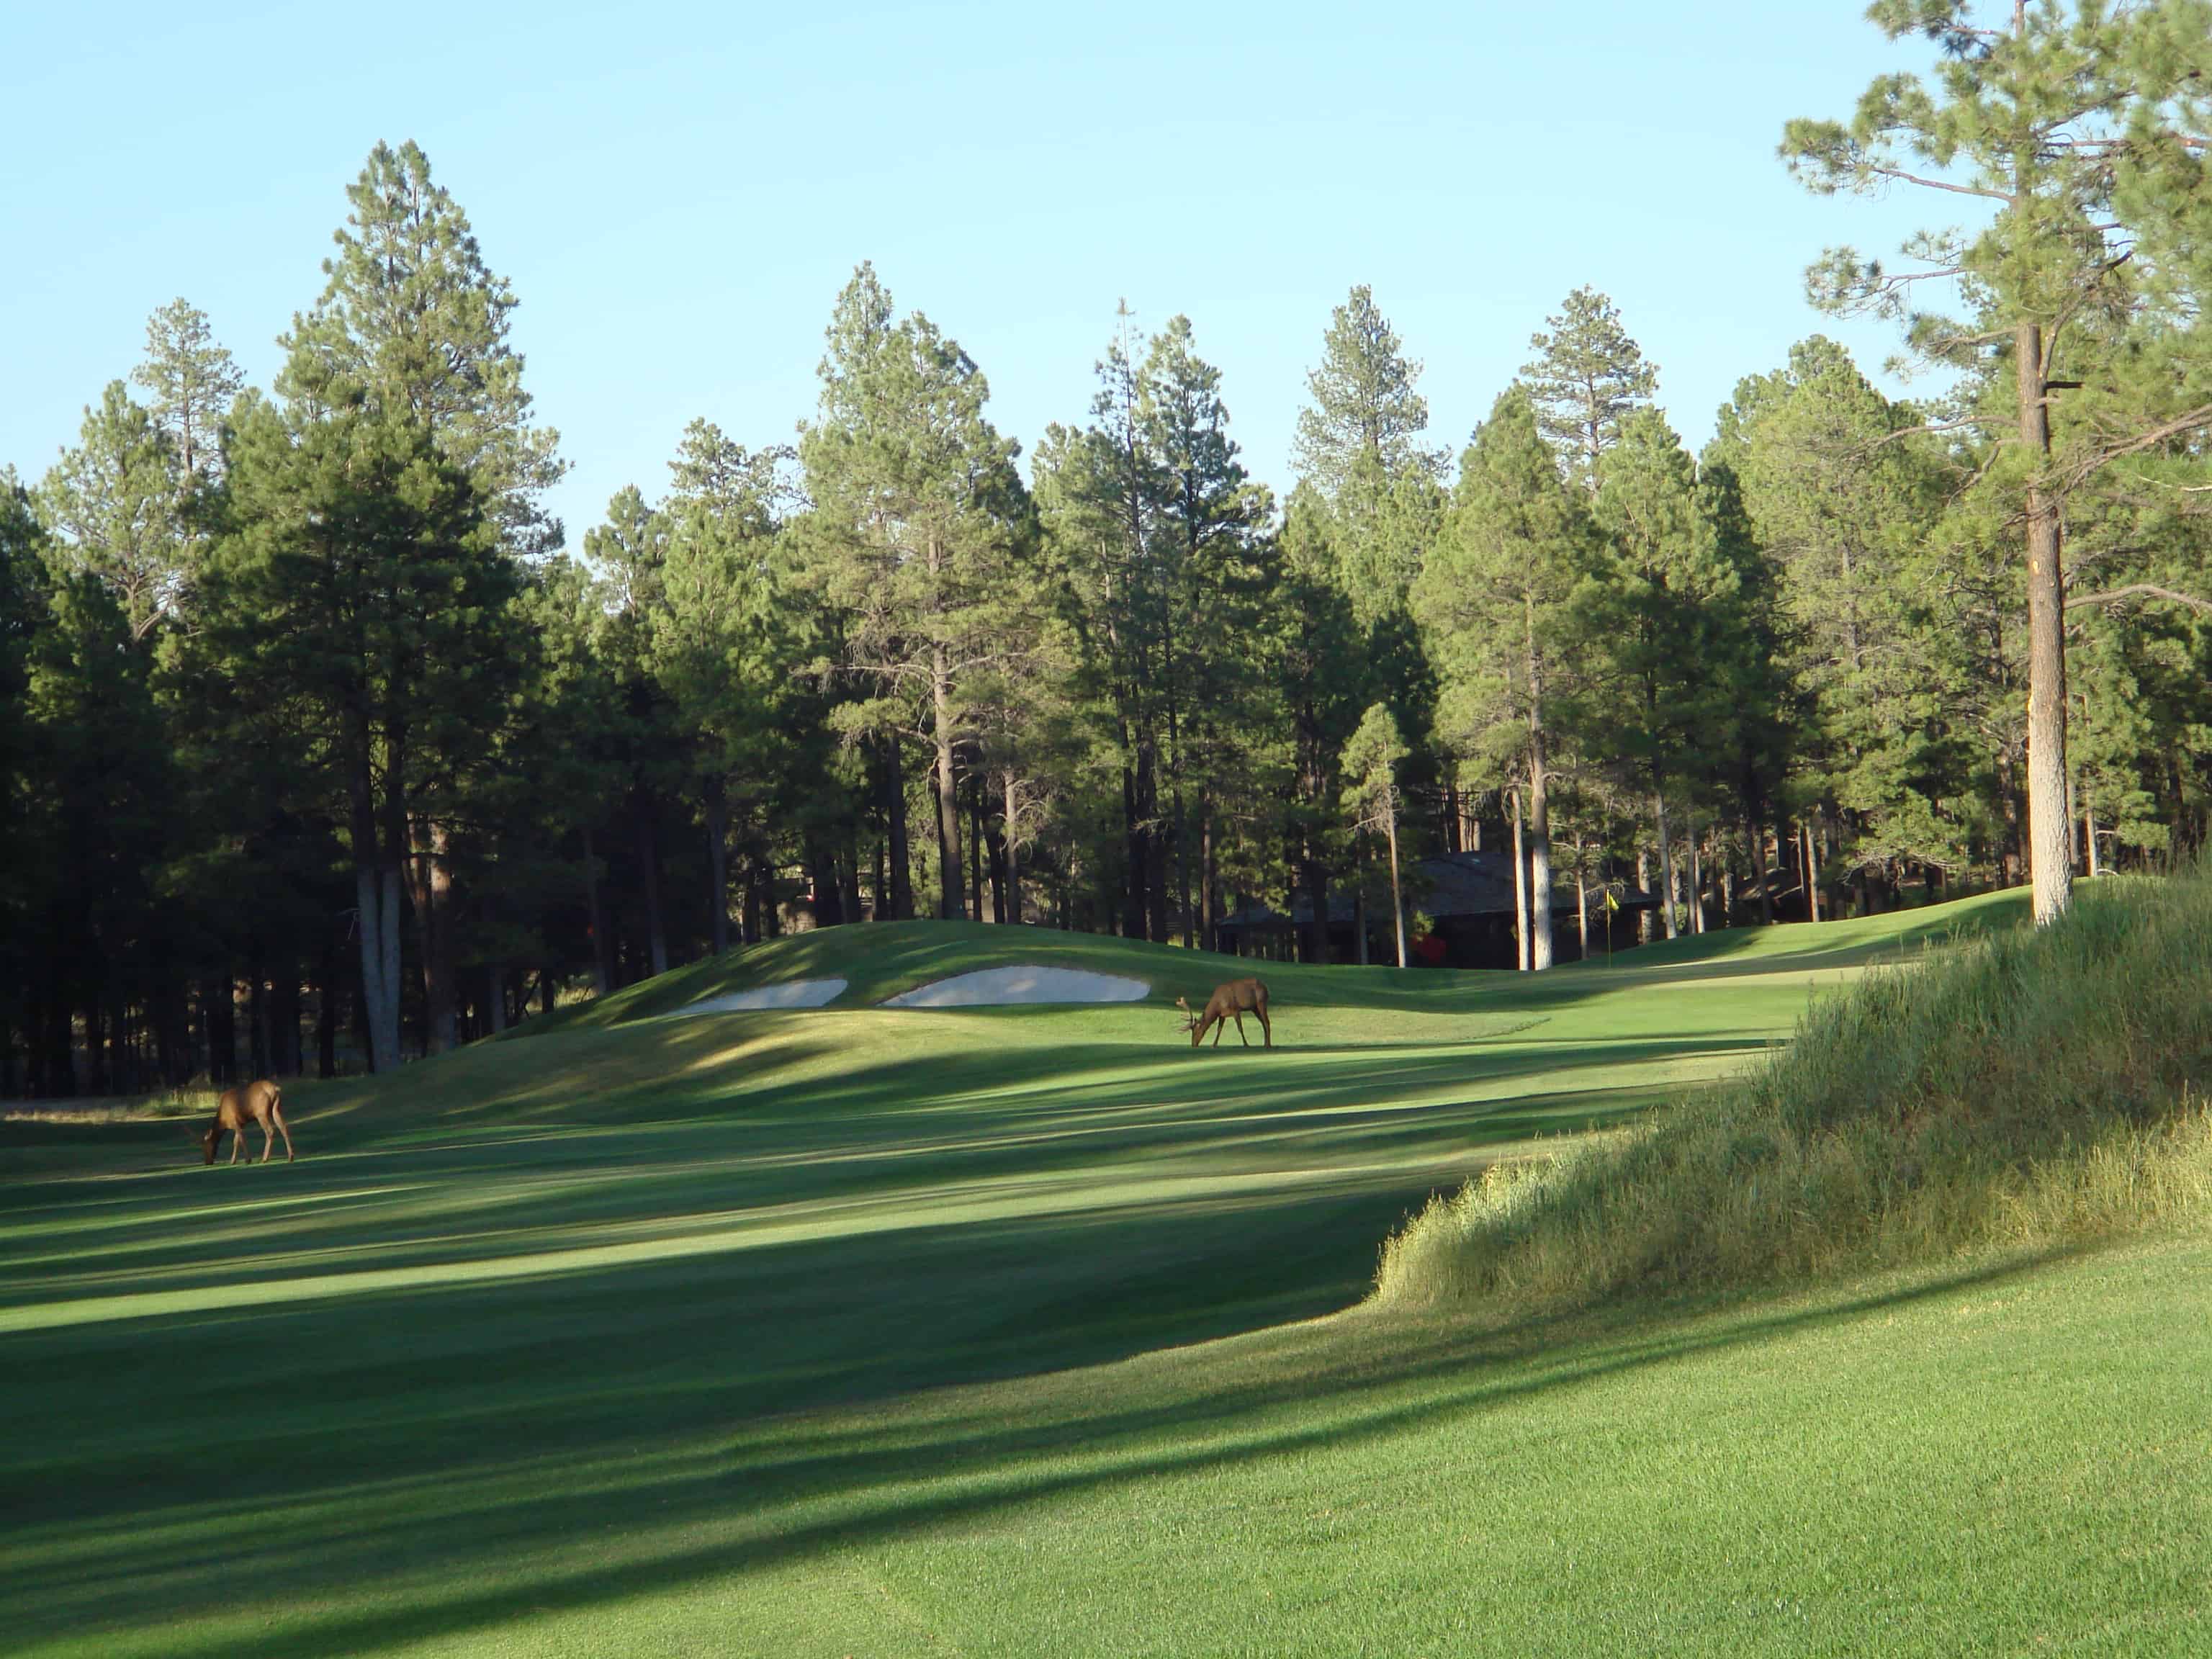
(1940, 184)
(2199, 417)
(2144, 590)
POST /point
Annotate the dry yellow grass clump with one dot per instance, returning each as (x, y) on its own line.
(2023, 1089)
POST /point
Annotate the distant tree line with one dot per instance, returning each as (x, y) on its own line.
(316, 744)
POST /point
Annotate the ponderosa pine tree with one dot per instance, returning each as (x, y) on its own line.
(1842, 499)
(23, 613)
(1660, 610)
(2082, 128)
(1363, 407)
(413, 319)
(1216, 519)
(1371, 757)
(1499, 605)
(111, 507)
(413, 328)
(358, 592)
(1104, 493)
(918, 534)
(1588, 377)
(192, 383)
(729, 631)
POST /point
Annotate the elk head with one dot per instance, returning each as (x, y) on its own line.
(210, 1137)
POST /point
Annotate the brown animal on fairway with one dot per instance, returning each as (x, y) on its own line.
(1234, 1001)
(260, 1101)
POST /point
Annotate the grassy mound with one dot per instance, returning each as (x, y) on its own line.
(2022, 1089)
(883, 959)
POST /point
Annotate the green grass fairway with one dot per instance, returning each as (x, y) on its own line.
(876, 1332)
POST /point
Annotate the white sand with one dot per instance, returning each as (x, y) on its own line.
(797, 993)
(989, 988)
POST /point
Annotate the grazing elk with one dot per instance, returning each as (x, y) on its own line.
(1238, 998)
(260, 1101)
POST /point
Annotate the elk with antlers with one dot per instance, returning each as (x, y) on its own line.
(260, 1101)
(1238, 998)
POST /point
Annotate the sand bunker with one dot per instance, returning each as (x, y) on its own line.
(797, 993)
(989, 988)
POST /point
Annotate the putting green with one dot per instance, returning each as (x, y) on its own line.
(859, 1331)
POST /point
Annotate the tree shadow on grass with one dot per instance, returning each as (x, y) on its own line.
(520, 1539)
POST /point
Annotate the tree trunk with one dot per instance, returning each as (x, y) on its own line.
(1697, 846)
(1540, 812)
(1397, 897)
(376, 890)
(1644, 886)
(648, 871)
(952, 904)
(895, 814)
(1582, 899)
(1359, 925)
(1010, 911)
(2049, 834)
(1209, 922)
(975, 842)
(2089, 840)
(1520, 891)
(1755, 837)
(495, 1003)
(603, 971)
(1666, 861)
(430, 887)
(718, 866)
(1156, 851)
(1811, 865)
(377, 839)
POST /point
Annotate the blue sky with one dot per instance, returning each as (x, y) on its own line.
(676, 192)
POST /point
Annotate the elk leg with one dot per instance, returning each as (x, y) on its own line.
(268, 1139)
(237, 1143)
(1241, 1038)
(278, 1115)
(1265, 1030)
(1220, 1026)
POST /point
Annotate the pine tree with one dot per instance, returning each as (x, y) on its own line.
(1371, 762)
(1844, 500)
(2081, 128)
(919, 532)
(413, 320)
(1661, 608)
(111, 507)
(1363, 407)
(1498, 603)
(359, 597)
(1588, 378)
(1214, 519)
(192, 383)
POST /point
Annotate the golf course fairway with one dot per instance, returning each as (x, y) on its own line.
(1027, 1330)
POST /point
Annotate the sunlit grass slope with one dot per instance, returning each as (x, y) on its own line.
(880, 961)
(2028, 1088)
(861, 1332)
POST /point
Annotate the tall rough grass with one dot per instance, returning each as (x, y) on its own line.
(2023, 1089)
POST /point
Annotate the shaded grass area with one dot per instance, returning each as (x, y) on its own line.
(848, 1332)
(1741, 1482)
(2024, 1089)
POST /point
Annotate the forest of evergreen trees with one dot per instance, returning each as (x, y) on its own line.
(320, 750)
